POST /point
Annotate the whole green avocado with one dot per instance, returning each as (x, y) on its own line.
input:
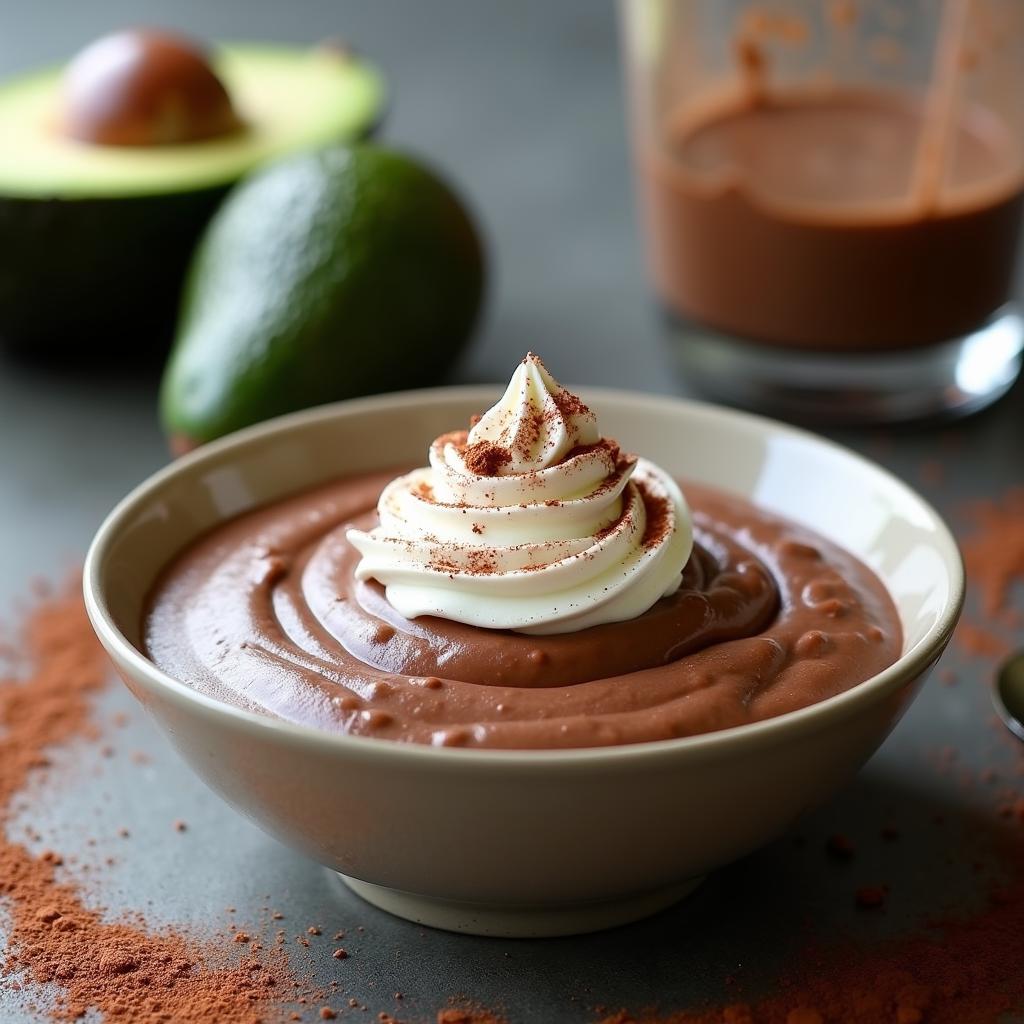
(340, 272)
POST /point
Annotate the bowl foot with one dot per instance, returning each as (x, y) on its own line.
(519, 922)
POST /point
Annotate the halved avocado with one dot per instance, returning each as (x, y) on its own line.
(95, 239)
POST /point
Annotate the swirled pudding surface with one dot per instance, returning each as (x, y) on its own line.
(266, 612)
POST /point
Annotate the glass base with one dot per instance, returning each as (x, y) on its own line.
(952, 378)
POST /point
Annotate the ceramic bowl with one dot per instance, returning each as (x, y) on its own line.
(528, 843)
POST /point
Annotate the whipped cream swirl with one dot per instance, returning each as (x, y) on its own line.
(530, 522)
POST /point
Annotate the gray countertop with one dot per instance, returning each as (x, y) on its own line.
(520, 102)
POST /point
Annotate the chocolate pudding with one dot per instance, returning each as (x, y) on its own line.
(265, 613)
(533, 586)
(833, 220)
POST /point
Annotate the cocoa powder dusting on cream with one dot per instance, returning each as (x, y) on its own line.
(569, 404)
(528, 433)
(620, 460)
(474, 561)
(119, 970)
(485, 458)
(659, 518)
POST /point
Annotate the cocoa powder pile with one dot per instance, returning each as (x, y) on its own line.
(485, 458)
(965, 971)
(121, 970)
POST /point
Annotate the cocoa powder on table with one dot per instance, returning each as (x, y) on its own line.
(965, 971)
(468, 1015)
(122, 970)
(993, 551)
(962, 971)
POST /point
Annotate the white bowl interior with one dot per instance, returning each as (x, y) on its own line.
(842, 496)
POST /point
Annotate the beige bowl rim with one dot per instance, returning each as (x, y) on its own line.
(752, 736)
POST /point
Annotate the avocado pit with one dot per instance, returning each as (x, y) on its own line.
(145, 88)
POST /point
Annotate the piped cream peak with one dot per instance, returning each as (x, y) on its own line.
(532, 522)
(537, 421)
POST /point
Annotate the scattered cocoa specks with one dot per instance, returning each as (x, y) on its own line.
(804, 1015)
(468, 1015)
(738, 1013)
(870, 897)
(932, 472)
(909, 1015)
(485, 458)
(994, 551)
(979, 642)
(840, 847)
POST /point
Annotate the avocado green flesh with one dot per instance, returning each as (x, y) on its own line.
(333, 274)
(287, 99)
(95, 241)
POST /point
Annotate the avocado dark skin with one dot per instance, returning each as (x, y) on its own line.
(56, 281)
